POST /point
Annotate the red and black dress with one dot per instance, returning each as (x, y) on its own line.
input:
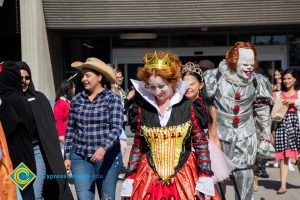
(161, 161)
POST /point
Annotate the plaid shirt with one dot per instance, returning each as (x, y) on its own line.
(93, 124)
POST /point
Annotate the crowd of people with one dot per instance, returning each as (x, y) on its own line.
(194, 126)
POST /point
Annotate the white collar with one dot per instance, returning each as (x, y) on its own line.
(231, 76)
(63, 98)
(180, 90)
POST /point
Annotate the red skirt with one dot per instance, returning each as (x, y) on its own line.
(147, 185)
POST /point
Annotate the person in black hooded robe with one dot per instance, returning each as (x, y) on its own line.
(17, 119)
(46, 144)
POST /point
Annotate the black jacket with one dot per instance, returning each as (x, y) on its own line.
(56, 189)
(16, 118)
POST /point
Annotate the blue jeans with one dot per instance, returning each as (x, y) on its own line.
(103, 173)
(19, 196)
(40, 172)
(27, 193)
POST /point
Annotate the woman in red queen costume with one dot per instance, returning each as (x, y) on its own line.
(166, 127)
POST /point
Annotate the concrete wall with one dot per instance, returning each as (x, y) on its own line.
(35, 48)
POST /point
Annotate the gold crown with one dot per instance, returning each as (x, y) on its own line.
(192, 67)
(156, 63)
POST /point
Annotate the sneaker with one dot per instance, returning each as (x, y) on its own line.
(122, 173)
(276, 163)
(291, 167)
(121, 176)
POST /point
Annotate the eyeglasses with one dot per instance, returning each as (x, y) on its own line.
(152, 86)
(27, 78)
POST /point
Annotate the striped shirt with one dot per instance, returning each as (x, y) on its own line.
(93, 124)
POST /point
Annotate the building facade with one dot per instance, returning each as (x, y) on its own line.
(121, 32)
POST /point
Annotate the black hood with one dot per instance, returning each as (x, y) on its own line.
(23, 65)
(10, 78)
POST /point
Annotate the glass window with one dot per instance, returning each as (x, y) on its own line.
(279, 39)
(294, 50)
(196, 40)
(267, 68)
(261, 40)
(129, 72)
(159, 41)
(238, 37)
(268, 39)
(76, 48)
(196, 59)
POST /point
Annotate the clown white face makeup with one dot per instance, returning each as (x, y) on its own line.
(245, 64)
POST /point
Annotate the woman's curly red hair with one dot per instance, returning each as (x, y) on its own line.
(232, 54)
(171, 75)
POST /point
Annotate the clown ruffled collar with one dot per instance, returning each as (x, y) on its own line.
(232, 76)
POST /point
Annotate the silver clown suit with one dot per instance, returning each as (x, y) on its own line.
(239, 104)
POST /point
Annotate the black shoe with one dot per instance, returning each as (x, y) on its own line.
(123, 170)
(121, 177)
(281, 191)
(264, 175)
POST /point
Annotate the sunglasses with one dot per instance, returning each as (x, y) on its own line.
(152, 86)
(27, 78)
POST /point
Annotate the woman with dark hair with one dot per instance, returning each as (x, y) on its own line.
(45, 143)
(221, 165)
(63, 97)
(92, 147)
(196, 92)
(287, 132)
(66, 90)
(277, 81)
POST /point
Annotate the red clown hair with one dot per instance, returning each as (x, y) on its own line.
(232, 54)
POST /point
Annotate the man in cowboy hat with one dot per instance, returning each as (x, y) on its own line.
(92, 141)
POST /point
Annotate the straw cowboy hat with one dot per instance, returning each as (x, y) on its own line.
(97, 65)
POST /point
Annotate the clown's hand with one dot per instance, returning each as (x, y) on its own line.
(205, 188)
(265, 149)
(127, 188)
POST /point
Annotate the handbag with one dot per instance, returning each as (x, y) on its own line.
(279, 109)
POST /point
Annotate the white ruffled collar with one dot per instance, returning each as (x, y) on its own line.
(232, 76)
(64, 98)
(180, 90)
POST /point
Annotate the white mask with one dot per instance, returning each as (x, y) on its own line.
(245, 64)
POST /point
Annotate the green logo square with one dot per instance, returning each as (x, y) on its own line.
(22, 176)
